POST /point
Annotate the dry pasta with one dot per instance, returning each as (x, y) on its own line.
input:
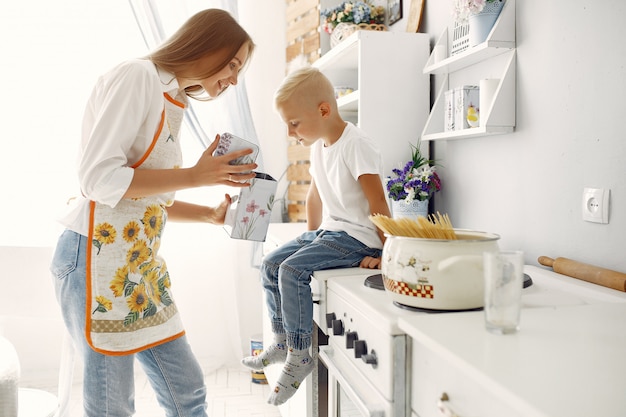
(436, 226)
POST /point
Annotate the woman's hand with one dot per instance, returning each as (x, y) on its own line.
(219, 212)
(212, 170)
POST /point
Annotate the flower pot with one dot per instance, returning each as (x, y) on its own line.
(480, 24)
(412, 210)
(344, 29)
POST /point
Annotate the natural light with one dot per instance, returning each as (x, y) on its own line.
(52, 56)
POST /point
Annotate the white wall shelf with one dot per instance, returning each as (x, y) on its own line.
(499, 116)
(390, 101)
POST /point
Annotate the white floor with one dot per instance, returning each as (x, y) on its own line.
(231, 393)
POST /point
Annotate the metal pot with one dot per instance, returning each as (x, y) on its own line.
(437, 274)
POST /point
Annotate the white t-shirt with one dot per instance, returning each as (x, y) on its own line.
(121, 117)
(336, 170)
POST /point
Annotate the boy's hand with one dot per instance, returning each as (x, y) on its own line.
(370, 263)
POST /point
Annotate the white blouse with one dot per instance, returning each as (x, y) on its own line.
(121, 117)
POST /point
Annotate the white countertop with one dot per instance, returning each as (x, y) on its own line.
(568, 359)
(565, 361)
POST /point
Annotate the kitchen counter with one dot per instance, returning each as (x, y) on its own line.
(565, 361)
(568, 359)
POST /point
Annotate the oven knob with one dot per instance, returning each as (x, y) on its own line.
(370, 358)
(337, 327)
(360, 348)
(351, 337)
(329, 319)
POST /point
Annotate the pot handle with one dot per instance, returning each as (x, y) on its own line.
(475, 261)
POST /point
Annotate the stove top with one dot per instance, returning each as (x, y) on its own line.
(542, 288)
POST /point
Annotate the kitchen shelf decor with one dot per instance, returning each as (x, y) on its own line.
(498, 116)
(390, 101)
(480, 23)
(343, 30)
(349, 16)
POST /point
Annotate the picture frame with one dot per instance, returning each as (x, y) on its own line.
(415, 16)
(394, 11)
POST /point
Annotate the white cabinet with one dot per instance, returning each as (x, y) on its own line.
(566, 361)
(494, 58)
(391, 97)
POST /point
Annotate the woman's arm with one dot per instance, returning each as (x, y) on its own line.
(187, 212)
(209, 170)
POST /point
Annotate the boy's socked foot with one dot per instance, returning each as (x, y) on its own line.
(298, 365)
(276, 353)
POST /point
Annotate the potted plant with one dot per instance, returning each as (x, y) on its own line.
(411, 187)
(354, 12)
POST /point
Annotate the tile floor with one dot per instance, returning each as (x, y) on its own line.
(231, 393)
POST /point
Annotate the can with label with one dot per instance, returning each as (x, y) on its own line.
(256, 347)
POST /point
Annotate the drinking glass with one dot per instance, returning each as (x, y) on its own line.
(504, 279)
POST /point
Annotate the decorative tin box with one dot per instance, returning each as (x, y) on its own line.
(248, 217)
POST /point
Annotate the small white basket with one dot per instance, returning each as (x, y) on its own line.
(460, 37)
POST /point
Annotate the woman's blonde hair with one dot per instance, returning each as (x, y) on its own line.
(306, 81)
(208, 32)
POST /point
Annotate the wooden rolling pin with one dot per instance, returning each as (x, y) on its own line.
(590, 273)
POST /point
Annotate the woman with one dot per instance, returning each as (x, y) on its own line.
(113, 287)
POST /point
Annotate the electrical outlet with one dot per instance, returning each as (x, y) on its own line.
(596, 205)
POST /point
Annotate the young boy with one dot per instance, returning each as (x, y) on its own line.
(346, 187)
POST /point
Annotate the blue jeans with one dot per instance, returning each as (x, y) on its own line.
(286, 275)
(108, 386)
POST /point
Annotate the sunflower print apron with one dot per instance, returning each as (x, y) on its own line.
(129, 301)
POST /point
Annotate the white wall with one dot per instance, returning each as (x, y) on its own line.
(527, 186)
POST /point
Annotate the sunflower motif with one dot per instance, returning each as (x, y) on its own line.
(137, 255)
(131, 231)
(151, 283)
(118, 282)
(166, 279)
(152, 221)
(105, 233)
(138, 300)
(104, 304)
(148, 266)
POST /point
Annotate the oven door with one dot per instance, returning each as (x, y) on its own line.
(349, 392)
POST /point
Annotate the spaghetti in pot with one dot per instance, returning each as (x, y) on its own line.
(436, 226)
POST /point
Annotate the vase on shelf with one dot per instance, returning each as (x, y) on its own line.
(345, 29)
(412, 210)
(481, 23)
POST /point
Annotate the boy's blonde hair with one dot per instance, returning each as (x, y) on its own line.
(307, 82)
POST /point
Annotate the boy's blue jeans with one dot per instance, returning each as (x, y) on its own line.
(108, 386)
(286, 274)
